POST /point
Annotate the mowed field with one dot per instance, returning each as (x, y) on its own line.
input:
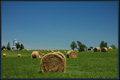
(88, 64)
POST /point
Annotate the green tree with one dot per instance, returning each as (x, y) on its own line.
(80, 46)
(21, 47)
(8, 46)
(105, 45)
(73, 45)
(102, 44)
(85, 48)
(113, 46)
(3, 47)
(91, 47)
(17, 45)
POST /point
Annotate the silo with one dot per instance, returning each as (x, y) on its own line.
(14, 44)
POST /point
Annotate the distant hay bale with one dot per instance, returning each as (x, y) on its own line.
(96, 49)
(110, 48)
(52, 51)
(36, 54)
(43, 53)
(4, 55)
(22, 49)
(47, 49)
(53, 62)
(19, 55)
(71, 54)
(27, 50)
(65, 51)
(4, 49)
(12, 50)
(104, 49)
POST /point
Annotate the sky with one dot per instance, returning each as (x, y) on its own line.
(55, 25)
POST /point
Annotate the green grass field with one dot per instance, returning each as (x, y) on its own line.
(87, 65)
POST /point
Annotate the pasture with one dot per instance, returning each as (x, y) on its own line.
(87, 64)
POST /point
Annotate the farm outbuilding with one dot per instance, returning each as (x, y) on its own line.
(90, 49)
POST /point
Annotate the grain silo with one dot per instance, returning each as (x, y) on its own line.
(14, 44)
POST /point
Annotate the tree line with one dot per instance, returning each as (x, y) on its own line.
(81, 47)
(18, 46)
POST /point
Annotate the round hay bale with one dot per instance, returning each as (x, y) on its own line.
(60, 55)
(52, 51)
(19, 55)
(65, 51)
(96, 49)
(27, 50)
(52, 62)
(104, 49)
(4, 49)
(12, 50)
(4, 55)
(36, 54)
(43, 53)
(71, 54)
(110, 48)
(22, 49)
(47, 49)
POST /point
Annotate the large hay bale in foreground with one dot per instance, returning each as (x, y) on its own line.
(53, 62)
(19, 55)
(104, 49)
(110, 48)
(36, 54)
(71, 54)
(61, 55)
(96, 49)
(4, 55)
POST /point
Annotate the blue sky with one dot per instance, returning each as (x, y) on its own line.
(54, 25)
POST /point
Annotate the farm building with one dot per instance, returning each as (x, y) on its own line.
(14, 44)
(90, 49)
